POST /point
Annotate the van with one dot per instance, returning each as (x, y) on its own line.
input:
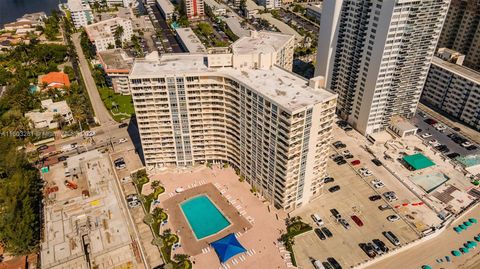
(392, 238)
(316, 218)
(318, 264)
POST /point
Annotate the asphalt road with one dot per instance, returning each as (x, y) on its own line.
(102, 115)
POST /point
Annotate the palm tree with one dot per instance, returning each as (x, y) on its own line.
(59, 119)
(157, 212)
(155, 184)
(118, 36)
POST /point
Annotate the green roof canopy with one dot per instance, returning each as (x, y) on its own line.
(418, 161)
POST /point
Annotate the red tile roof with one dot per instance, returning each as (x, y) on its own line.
(55, 80)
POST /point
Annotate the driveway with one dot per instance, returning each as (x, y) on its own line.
(102, 115)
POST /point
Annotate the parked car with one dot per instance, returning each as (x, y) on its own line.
(318, 264)
(334, 188)
(374, 198)
(380, 244)
(344, 223)
(390, 196)
(327, 265)
(392, 238)
(378, 185)
(335, 213)
(384, 207)
(123, 125)
(316, 218)
(355, 162)
(320, 234)
(442, 148)
(90, 133)
(434, 143)
(62, 158)
(326, 231)
(42, 147)
(339, 158)
(377, 162)
(346, 152)
(467, 144)
(426, 135)
(456, 129)
(453, 155)
(348, 156)
(430, 121)
(357, 220)
(122, 140)
(368, 250)
(393, 218)
(334, 263)
(328, 180)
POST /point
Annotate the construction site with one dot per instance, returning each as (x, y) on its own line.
(85, 224)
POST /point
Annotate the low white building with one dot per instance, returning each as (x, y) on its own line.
(46, 118)
(453, 88)
(190, 41)
(217, 8)
(117, 65)
(111, 3)
(402, 127)
(102, 34)
(166, 8)
(80, 12)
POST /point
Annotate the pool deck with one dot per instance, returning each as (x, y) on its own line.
(191, 245)
(260, 240)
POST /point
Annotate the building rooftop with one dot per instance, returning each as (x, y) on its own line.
(166, 6)
(190, 40)
(283, 87)
(102, 29)
(214, 4)
(235, 26)
(260, 42)
(55, 80)
(316, 8)
(77, 5)
(402, 124)
(116, 60)
(460, 70)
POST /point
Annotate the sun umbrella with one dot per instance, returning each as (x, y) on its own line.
(467, 223)
(473, 243)
(467, 245)
(464, 250)
(457, 229)
(426, 267)
(477, 238)
(463, 227)
(456, 253)
(473, 220)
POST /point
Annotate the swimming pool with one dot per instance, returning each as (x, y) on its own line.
(203, 216)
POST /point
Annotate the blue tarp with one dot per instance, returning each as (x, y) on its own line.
(227, 247)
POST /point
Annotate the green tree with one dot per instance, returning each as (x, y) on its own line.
(118, 36)
(205, 28)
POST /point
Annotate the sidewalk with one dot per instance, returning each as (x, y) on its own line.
(465, 130)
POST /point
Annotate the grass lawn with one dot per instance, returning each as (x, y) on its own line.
(120, 106)
(154, 195)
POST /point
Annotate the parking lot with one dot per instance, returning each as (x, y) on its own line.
(442, 137)
(351, 199)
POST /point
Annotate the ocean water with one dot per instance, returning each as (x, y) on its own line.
(13, 9)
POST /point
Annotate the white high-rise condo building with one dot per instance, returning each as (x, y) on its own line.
(103, 34)
(376, 54)
(239, 108)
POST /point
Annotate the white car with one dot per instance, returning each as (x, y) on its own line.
(440, 127)
(466, 144)
(393, 218)
(426, 135)
(375, 181)
(378, 185)
(122, 140)
(434, 143)
(346, 152)
(366, 173)
(90, 133)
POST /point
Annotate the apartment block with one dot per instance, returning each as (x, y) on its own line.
(80, 12)
(194, 8)
(270, 4)
(117, 65)
(453, 88)
(280, 47)
(461, 31)
(376, 54)
(239, 108)
(102, 34)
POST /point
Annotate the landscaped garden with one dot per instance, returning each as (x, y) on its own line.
(120, 106)
(295, 226)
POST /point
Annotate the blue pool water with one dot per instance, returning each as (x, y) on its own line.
(203, 216)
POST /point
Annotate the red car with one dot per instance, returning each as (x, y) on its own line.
(357, 220)
(356, 162)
